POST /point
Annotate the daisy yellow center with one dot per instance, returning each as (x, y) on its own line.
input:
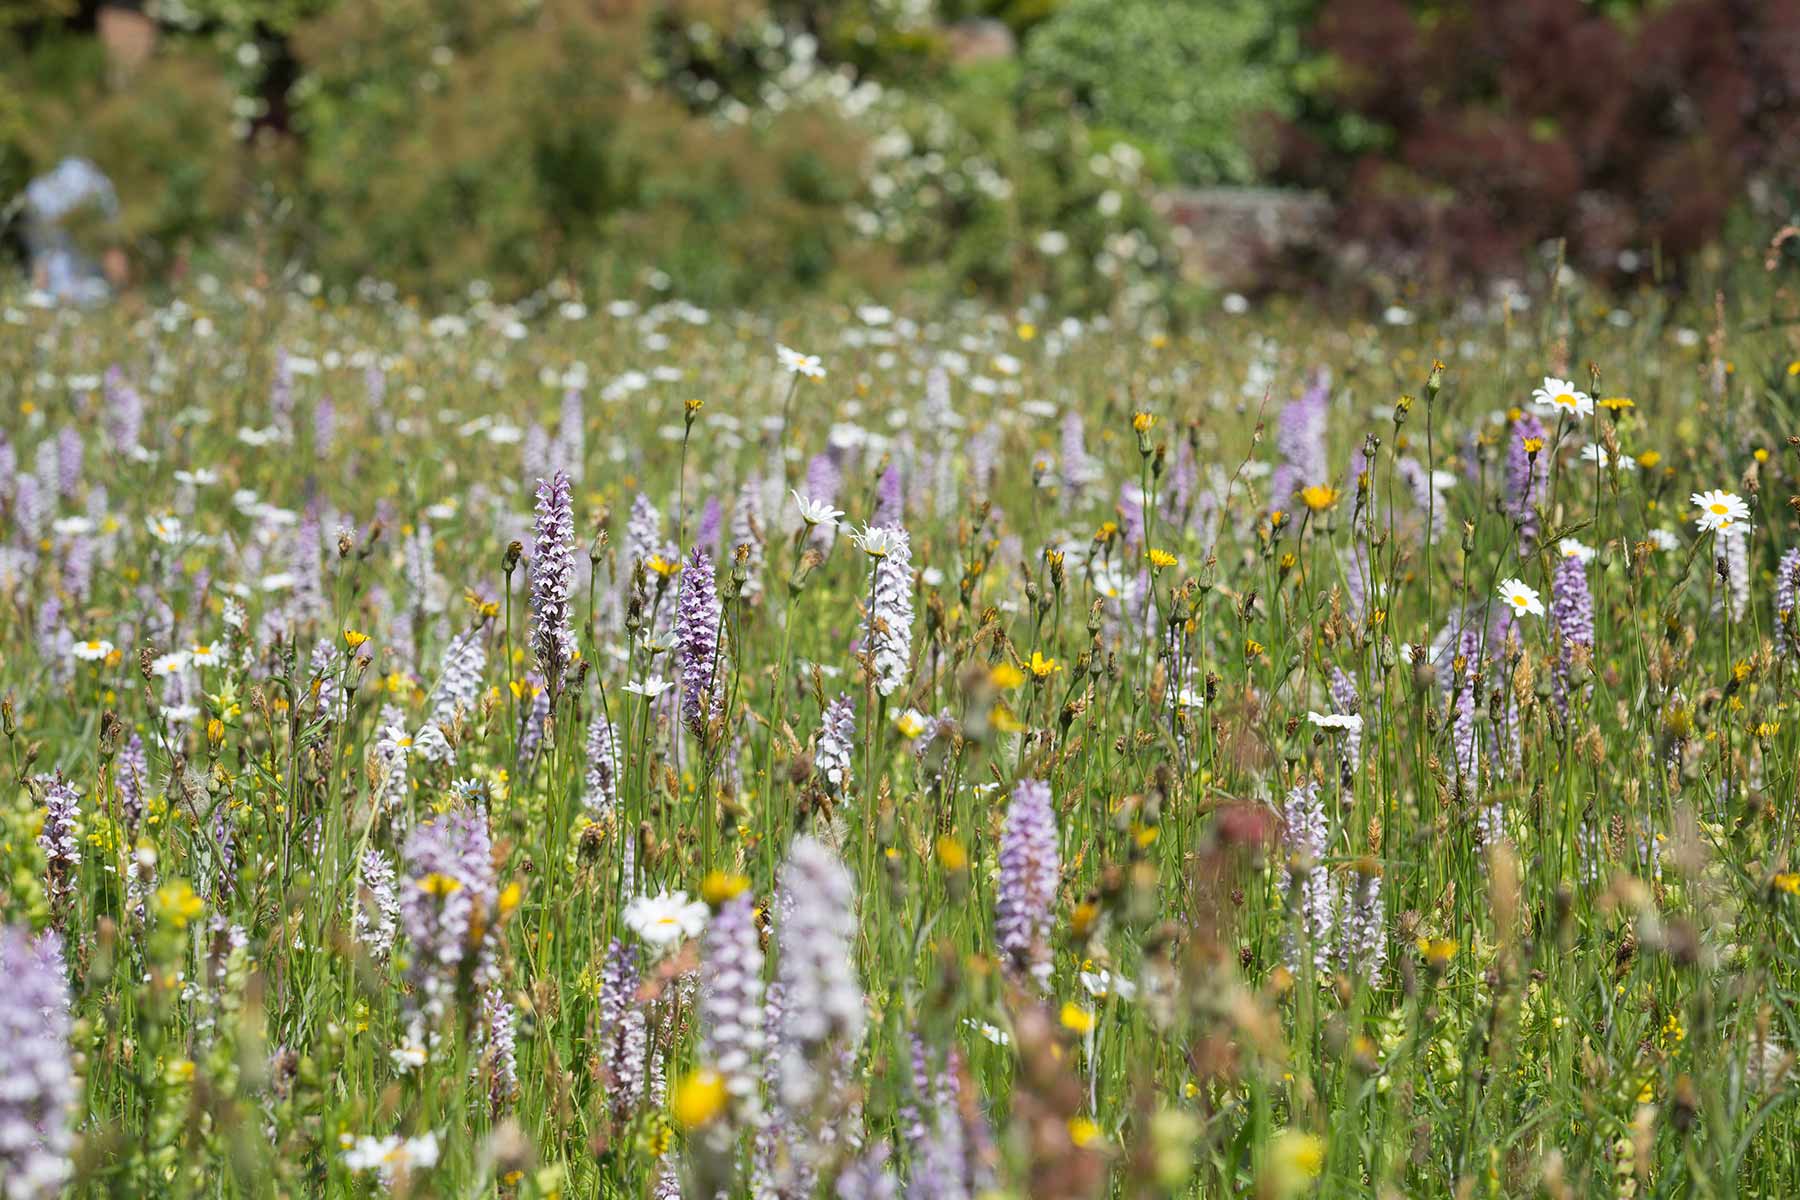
(93, 645)
(1565, 399)
(1520, 600)
(1720, 509)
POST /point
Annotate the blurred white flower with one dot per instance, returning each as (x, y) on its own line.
(665, 920)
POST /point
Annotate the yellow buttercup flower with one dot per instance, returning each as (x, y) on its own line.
(1006, 676)
(1083, 1132)
(1143, 422)
(354, 638)
(950, 852)
(699, 1098)
(1041, 667)
(438, 884)
(1318, 497)
(1076, 1018)
(1162, 559)
(177, 904)
(720, 886)
(1438, 951)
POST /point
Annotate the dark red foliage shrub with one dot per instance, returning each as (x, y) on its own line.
(1486, 126)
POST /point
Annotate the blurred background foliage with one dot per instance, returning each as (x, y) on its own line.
(739, 150)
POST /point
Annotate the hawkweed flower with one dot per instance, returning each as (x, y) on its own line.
(38, 1091)
(731, 1003)
(1307, 879)
(553, 579)
(375, 913)
(1030, 870)
(836, 744)
(697, 635)
(887, 628)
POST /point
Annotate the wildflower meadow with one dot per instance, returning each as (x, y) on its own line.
(604, 747)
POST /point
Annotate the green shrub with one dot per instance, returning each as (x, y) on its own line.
(166, 141)
(444, 142)
(1188, 77)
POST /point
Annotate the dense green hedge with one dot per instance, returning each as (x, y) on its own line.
(744, 149)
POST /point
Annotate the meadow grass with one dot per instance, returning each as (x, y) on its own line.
(1276, 757)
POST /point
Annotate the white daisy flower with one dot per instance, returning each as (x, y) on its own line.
(665, 920)
(393, 1156)
(816, 512)
(1101, 984)
(797, 363)
(649, 688)
(1718, 509)
(93, 650)
(165, 528)
(1570, 548)
(1524, 600)
(878, 543)
(1348, 721)
(209, 655)
(1595, 453)
(1562, 397)
(173, 663)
